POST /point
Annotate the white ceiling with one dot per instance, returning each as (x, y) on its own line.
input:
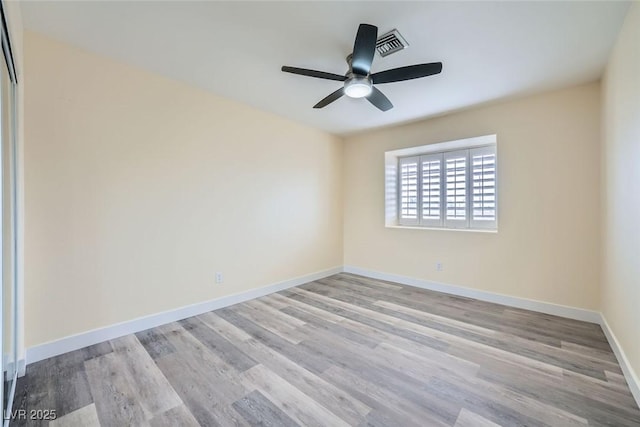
(489, 50)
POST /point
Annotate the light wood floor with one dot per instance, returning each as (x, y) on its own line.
(341, 351)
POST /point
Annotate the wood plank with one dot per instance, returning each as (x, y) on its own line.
(156, 344)
(115, 398)
(222, 326)
(339, 330)
(178, 416)
(467, 326)
(309, 361)
(604, 391)
(273, 324)
(97, 350)
(153, 392)
(596, 353)
(614, 377)
(428, 370)
(300, 407)
(332, 398)
(518, 406)
(127, 385)
(527, 324)
(539, 351)
(577, 362)
(275, 301)
(365, 281)
(390, 407)
(391, 375)
(358, 314)
(83, 417)
(423, 331)
(470, 419)
(224, 349)
(260, 411)
(551, 392)
(58, 383)
(272, 312)
(206, 384)
(293, 303)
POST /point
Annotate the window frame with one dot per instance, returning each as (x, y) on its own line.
(467, 148)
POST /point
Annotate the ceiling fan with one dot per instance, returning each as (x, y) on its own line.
(358, 81)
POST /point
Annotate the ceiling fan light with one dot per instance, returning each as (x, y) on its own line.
(357, 87)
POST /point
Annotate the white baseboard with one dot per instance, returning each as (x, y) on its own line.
(95, 336)
(629, 374)
(524, 303)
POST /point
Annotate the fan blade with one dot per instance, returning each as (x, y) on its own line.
(378, 99)
(363, 49)
(407, 73)
(314, 73)
(329, 99)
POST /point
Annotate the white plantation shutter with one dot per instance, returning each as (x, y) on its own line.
(483, 187)
(409, 190)
(431, 173)
(456, 188)
(450, 189)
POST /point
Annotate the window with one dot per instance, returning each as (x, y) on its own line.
(447, 185)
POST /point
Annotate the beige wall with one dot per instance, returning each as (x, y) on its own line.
(621, 190)
(547, 246)
(139, 188)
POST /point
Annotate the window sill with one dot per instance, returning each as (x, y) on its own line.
(467, 230)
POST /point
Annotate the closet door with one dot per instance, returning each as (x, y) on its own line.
(8, 235)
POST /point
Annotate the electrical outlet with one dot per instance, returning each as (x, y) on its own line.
(219, 278)
(439, 266)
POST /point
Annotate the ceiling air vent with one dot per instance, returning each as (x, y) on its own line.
(391, 42)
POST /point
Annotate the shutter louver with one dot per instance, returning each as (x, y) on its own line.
(484, 194)
(431, 189)
(456, 188)
(409, 190)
